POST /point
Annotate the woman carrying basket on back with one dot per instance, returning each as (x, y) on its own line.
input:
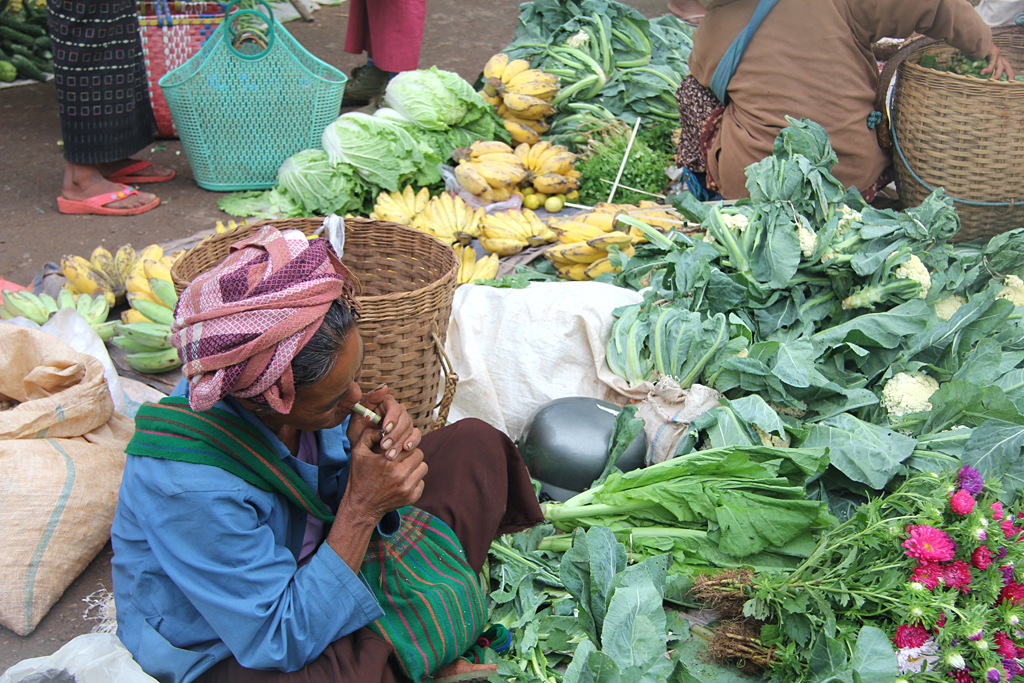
(261, 524)
(756, 61)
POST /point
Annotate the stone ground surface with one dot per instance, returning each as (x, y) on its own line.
(460, 35)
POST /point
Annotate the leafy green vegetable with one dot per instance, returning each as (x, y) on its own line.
(322, 187)
(381, 151)
(265, 205)
(645, 169)
(723, 507)
(435, 99)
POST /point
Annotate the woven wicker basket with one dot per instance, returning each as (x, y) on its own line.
(963, 134)
(408, 281)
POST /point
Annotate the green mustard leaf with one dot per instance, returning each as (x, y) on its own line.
(864, 452)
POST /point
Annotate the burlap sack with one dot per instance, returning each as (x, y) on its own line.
(61, 459)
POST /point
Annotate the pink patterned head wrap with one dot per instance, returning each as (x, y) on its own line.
(238, 326)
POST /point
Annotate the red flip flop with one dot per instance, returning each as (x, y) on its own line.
(98, 205)
(129, 174)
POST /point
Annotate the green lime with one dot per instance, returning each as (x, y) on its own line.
(554, 204)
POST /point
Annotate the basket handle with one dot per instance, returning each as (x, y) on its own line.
(884, 128)
(230, 32)
(450, 381)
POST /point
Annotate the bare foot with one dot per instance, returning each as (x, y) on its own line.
(148, 171)
(82, 182)
(463, 666)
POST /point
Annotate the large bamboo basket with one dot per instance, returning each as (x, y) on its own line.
(963, 134)
(408, 282)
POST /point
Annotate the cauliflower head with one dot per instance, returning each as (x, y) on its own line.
(808, 241)
(735, 221)
(848, 218)
(905, 394)
(1013, 290)
(948, 306)
(915, 270)
(578, 39)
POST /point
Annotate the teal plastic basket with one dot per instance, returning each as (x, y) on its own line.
(241, 113)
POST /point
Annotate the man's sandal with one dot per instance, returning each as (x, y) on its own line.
(130, 174)
(98, 205)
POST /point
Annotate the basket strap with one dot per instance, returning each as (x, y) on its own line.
(450, 381)
(965, 202)
(884, 121)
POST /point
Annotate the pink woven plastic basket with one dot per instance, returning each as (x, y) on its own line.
(171, 33)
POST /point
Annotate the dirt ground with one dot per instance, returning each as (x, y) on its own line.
(460, 35)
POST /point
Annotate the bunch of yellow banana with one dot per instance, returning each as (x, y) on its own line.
(551, 168)
(449, 219)
(472, 269)
(102, 273)
(150, 290)
(400, 207)
(220, 227)
(509, 232)
(521, 96)
(652, 213)
(490, 170)
(583, 244)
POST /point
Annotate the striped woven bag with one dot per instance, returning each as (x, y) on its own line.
(434, 609)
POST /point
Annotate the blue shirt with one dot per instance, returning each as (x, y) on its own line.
(205, 565)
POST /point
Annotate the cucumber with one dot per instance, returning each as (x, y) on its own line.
(12, 36)
(26, 68)
(28, 30)
(43, 42)
(16, 49)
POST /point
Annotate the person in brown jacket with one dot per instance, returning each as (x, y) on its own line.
(810, 59)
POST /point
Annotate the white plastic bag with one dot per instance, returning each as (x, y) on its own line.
(91, 658)
(70, 327)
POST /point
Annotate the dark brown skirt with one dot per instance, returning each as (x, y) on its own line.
(477, 484)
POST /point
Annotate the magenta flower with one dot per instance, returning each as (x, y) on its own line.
(962, 675)
(997, 511)
(993, 675)
(962, 503)
(981, 558)
(970, 480)
(928, 544)
(1012, 668)
(957, 575)
(929, 574)
(1009, 530)
(1004, 645)
(910, 636)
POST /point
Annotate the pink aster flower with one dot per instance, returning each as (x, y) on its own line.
(997, 511)
(981, 558)
(1004, 645)
(910, 636)
(1012, 592)
(961, 502)
(928, 544)
(1009, 530)
(962, 675)
(929, 574)
(957, 575)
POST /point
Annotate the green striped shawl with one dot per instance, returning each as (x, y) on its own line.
(433, 607)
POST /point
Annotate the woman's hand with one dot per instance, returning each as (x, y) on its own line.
(378, 485)
(399, 436)
(463, 666)
(998, 65)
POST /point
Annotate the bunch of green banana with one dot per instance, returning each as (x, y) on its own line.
(509, 232)
(400, 207)
(148, 345)
(39, 308)
(471, 269)
(449, 219)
